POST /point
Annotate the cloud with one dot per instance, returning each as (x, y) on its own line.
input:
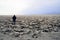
(43, 7)
(12, 6)
(22, 7)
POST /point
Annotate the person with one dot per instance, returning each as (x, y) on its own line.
(14, 19)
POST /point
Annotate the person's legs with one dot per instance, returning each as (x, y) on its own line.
(14, 22)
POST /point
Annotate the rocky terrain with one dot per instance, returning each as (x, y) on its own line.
(30, 28)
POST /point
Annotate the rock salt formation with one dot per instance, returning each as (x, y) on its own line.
(32, 27)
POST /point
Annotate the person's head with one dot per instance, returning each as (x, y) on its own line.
(14, 15)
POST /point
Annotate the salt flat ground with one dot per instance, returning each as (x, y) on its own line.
(30, 28)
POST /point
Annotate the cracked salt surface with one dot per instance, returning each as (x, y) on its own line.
(30, 28)
(44, 36)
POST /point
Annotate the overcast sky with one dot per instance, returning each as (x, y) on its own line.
(29, 7)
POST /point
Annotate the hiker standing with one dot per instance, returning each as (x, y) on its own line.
(14, 19)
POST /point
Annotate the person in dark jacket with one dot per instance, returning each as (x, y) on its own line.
(14, 19)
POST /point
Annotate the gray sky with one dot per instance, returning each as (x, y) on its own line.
(24, 7)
